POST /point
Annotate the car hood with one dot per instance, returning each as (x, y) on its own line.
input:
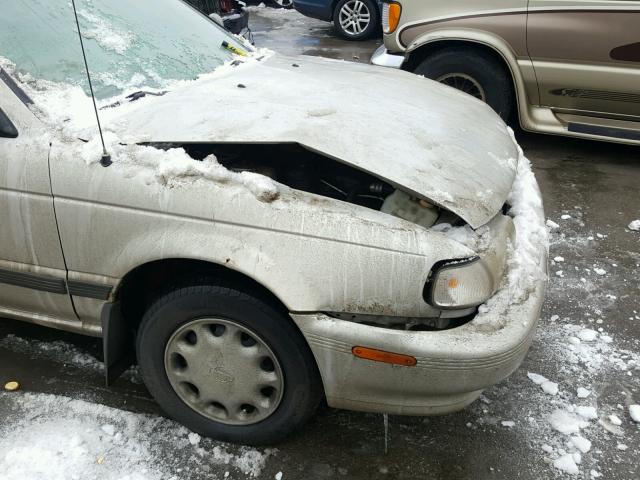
(424, 138)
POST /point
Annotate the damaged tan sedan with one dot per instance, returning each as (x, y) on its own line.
(216, 212)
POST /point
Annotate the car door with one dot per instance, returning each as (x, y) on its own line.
(586, 55)
(32, 267)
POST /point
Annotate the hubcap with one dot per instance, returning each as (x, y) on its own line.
(464, 83)
(224, 371)
(284, 3)
(354, 17)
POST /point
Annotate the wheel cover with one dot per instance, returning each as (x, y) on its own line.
(224, 371)
(354, 17)
(464, 83)
(284, 3)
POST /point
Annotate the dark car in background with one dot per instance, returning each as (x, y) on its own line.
(233, 14)
(353, 19)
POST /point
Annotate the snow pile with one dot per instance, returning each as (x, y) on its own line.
(635, 226)
(525, 271)
(176, 164)
(55, 437)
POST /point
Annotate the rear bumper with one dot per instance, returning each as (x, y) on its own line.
(383, 58)
(319, 9)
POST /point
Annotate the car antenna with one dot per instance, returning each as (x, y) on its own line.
(105, 160)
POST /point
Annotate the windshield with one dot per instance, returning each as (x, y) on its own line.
(130, 45)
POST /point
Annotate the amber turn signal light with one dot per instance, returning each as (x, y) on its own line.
(391, 17)
(385, 357)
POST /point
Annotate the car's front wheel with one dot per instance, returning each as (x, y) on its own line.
(474, 72)
(227, 364)
(356, 19)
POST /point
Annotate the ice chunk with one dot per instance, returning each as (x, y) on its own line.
(278, 476)
(550, 388)
(634, 411)
(600, 271)
(566, 422)
(635, 226)
(558, 259)
(587, 335)
(194, 438)
(589, 413)
(567, 464)
(622, 446)
(565, 217)
(552, 225)
(583, 392)
(536, 378)
(615, 420)
(508, 423)
(581, 443)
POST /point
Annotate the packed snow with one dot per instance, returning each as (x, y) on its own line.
(59, 438)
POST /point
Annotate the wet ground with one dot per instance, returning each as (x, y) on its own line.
(589, 337)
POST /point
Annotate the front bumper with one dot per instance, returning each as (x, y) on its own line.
(453, 366)
(383, 58)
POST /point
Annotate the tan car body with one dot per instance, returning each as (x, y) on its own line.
(575, 65)
(73, 235)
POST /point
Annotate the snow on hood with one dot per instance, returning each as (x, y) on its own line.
(427, 139)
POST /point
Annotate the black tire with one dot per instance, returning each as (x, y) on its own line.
(287, 4)
(372, 27)
(302, 386)
(481, 67)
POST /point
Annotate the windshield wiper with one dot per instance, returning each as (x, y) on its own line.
(132, 97)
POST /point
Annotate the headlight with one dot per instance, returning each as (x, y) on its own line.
(390, 16)
(460, 284)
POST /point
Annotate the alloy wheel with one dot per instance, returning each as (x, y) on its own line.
(224, 371)
(354, 17)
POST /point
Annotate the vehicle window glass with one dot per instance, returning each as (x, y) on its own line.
(129, 45)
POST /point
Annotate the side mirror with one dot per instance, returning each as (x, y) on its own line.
(217, 18)
(7, 128)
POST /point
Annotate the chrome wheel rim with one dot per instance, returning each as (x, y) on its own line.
(224, 371)
(464, 83)
(354, 17)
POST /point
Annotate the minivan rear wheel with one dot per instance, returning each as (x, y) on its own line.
(227, 364)
(474, 72)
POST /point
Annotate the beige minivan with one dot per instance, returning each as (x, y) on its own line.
(565, 67)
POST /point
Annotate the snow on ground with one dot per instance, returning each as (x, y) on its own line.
(58, 438)
(582, 427)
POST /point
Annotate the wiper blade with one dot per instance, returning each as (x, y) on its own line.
(132, 97)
